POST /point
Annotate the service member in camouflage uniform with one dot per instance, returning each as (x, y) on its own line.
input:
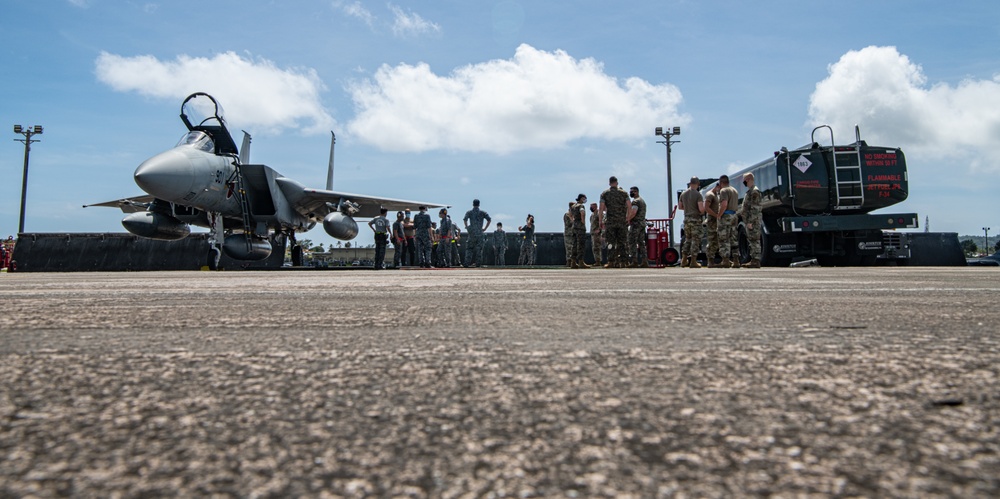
(568, 235)
(398, 241)
(578, 213)
(636, 220)
(693, 205)
(527, 256)
(474, 225)
(614, 209)
(728, 201)
(500, 245)
(422, 226)
(456, 242)
(595, 233)
(712, 225)
(752, 219)
(444, 239)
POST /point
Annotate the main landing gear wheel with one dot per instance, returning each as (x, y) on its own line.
(214, 255)
(296, 255)
(669, 257)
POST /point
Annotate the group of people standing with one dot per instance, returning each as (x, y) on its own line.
(419, 241)
(720, 206)
(618, 222)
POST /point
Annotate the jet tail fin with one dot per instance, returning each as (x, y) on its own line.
(245, 149)
(329, 172)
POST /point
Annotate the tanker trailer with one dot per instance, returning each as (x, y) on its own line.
(817, 202)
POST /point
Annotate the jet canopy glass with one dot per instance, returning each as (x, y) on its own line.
(198, 140)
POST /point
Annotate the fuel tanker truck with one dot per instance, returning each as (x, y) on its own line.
(817, 202)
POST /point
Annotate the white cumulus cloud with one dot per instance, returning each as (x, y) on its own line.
(537, 100)
(254, 92)
(889, 97)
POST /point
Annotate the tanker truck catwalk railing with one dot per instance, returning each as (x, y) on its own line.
(817, 202)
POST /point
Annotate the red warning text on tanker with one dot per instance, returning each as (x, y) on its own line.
(885, 178)
(884, 190)
(880, 159)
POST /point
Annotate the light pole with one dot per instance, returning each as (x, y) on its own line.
(667, 134)
(986, 241)
(27, 132)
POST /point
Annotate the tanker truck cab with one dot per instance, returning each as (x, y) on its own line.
(817, 201)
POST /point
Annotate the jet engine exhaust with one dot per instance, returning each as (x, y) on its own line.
(340, 226)
(156, 226)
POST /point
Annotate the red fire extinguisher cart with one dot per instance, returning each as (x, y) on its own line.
(658, 248)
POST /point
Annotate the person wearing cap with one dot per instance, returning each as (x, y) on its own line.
(712, 225)
(636, 221)
(444, 239)
(474, 225)
(500, 245)
(578, 212)
(424, 234)
(380, 226)
(596, 239)
(692, 203)
(398, 240)
(614, 210)
(728, 201)
(527, 255)
(752, 219)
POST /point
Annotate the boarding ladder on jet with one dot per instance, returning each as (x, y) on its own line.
(241, 193)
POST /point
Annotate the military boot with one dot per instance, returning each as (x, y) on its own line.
(712, 264)
(582, 264)
(754, 264)
(694, 263)
(684, 260)
(736, 263)
(572, 264)
(726, 263)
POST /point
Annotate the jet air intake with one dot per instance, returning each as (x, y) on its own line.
(156, 226)
(340, 226)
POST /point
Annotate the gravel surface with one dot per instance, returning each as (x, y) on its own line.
(499, 383)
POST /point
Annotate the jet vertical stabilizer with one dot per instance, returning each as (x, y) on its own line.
(245, 149)
(329, 171)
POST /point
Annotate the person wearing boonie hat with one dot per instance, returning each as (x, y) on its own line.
(692, 203)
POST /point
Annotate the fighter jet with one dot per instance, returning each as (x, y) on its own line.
(207, 182)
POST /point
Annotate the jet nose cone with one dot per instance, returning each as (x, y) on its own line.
(166, 176)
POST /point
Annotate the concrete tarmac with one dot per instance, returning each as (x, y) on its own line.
(807, 382)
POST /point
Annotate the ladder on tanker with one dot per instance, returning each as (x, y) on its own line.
(846, 174)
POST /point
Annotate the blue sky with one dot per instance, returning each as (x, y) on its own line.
(520, 104)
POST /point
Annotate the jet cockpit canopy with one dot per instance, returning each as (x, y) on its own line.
(204, 110)
(198, 140)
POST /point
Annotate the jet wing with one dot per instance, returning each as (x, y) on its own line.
(317, 202)
(127, 205)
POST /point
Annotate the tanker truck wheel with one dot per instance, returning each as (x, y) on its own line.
(669, 257)
(743, 242)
